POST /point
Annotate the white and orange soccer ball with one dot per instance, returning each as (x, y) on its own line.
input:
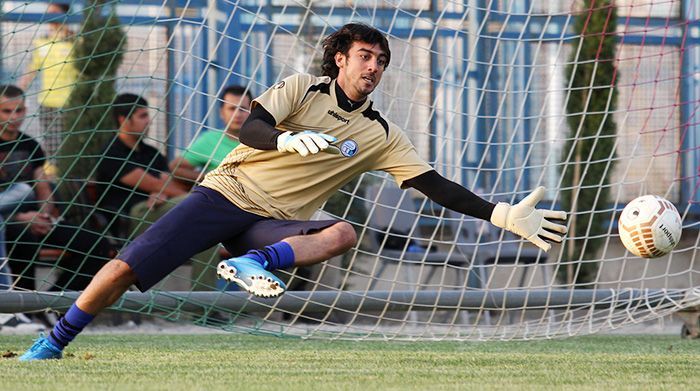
(650, 226)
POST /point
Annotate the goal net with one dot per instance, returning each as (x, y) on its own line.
(595, 100)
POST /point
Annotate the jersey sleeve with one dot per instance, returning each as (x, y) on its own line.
(196, 154)
(400, 158)
(37, 158)
(283, 98)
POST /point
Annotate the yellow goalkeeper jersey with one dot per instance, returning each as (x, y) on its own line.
(289, 186)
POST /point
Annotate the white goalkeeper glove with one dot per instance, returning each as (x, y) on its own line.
(304, 143)
(532, 224)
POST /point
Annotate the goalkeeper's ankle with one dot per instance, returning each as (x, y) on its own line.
(276, 256)
(69, 326)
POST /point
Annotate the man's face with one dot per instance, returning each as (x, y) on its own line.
(54, 11)
(12, 113)
(361, 69)
(138, 123)
(234, 112)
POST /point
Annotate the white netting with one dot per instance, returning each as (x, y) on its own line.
(484, 91)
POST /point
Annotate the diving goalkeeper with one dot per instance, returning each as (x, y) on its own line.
(305, 137)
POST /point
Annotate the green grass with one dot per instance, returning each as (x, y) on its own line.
(210, 362)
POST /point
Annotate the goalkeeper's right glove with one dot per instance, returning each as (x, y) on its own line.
(532, 224)
(304, 143)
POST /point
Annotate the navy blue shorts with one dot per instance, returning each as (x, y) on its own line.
(202, 220)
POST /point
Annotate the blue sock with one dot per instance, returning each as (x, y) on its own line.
(277, 256)
(70, 325)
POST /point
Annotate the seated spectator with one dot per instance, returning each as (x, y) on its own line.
(16, 322)
(131, 171)
(203, 155)
(211, 147)
(11, 197)
(135, 182)
(33, 225)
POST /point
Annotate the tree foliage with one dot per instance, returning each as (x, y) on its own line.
(88, 122)
(589, 152)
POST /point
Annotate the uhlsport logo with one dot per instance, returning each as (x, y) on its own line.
(348, 148)
(338, 117)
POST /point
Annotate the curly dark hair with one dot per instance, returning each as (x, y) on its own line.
(234, 90)
(11, 91)
(125, 104)
(341, 41)
(64, 7)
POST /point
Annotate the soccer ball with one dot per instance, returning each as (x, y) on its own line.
(650, 226)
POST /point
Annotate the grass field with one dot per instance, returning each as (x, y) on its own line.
(219, 361)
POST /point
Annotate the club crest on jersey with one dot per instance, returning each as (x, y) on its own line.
(348, 148)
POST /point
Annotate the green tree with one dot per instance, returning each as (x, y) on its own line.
(88, 123)
(590, 148)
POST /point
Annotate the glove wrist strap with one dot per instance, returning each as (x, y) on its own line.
(500, 214)
(282, 140)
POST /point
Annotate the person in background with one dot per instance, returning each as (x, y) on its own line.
(52, 60)
(34, 222)
(204, 154)
(135, 185)
(130, 171)
(210, 148)
(12, 197)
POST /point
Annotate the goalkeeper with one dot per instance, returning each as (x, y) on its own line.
(306, 137)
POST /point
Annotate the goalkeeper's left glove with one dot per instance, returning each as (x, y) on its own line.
(304, 143)
(532, 224)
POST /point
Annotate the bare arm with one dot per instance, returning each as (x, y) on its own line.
(183, 170)
(42, 187)
(147, 183)
(43, 192)
(40, 220)
(26, 80)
